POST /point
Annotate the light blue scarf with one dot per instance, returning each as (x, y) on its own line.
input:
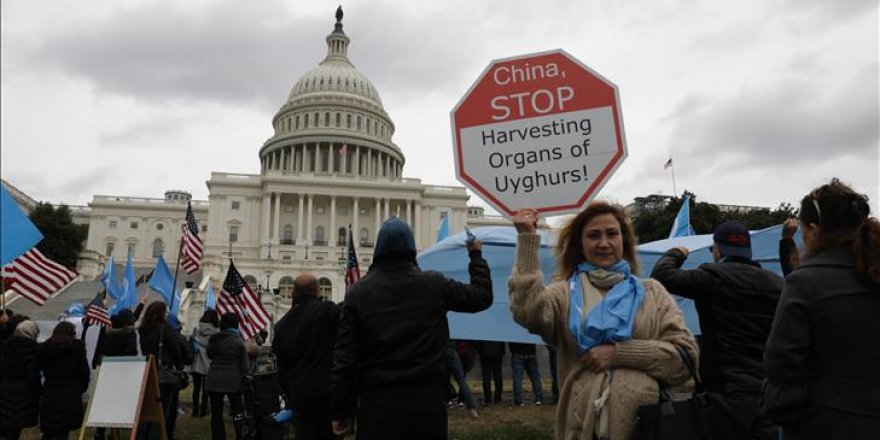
(610, 320)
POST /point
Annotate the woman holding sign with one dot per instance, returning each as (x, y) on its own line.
(616, 334)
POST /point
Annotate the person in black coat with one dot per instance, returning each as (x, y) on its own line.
(303, 346)
(735, 299)
(20, 386)
(391, 341)
(491, 356)
(823, 357)
(155, 332)
(229, 364)
(62, 360)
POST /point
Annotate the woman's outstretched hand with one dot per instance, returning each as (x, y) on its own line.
(526, 221)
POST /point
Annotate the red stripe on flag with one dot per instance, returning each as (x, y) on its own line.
(37, 277)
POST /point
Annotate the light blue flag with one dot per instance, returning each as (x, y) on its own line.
(111, 281)
(17, 233)
(162, 281)
(129, 287)
(210, 298)
(681, 227)
(443, 230)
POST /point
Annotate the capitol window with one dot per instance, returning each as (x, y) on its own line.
(236, 205)
(306, 121)
(338, 119)
(358, 122)
(297, 122)
(108, 250)
(364, 235)
(233, 233)
(158, 248)
(133, 225)
(160, 226)
(326, 119)
(347, 121)
(112, 224)
(131, 248)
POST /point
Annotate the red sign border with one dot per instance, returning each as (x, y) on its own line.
(591, 191)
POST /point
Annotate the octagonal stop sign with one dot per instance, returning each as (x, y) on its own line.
(538, 131)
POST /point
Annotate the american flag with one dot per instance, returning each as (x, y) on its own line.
(36, 277)
(352, 269)
(192, 244)
(236, 297)
(668, 164)
(96, 313)
(343, 150)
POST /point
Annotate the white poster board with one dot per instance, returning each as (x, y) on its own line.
(118, 392)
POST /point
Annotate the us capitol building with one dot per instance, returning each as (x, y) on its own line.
(330, 163)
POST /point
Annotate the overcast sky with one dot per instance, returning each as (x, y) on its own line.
(757, 101)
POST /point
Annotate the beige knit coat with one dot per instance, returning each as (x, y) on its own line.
(640, 362)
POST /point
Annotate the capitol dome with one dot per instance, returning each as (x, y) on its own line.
(333, 122)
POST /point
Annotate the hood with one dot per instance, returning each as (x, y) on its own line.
(395, 242)
(206, 329)
(18, 344)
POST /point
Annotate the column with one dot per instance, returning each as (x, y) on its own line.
(299, 223)
(387, 209)
(417, 227)
(356, 165)
(385, 169)
(319, 159)
(331, 158)
(277, 230)
(355, 216)
(378, 221)
(307, 159)
(266, 208)
(343, 160)
(332, 235)
(309, 216)
(408, 212)
(290, 159)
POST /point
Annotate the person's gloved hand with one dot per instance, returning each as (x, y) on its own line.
(283, 416)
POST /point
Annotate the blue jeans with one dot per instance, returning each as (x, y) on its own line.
(453, 364)
(530, 365)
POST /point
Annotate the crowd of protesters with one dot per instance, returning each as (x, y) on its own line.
(798, 354)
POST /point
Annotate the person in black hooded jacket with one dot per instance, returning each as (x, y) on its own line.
(20, 386)
(736, 300)
(62, 360)
(391, 341)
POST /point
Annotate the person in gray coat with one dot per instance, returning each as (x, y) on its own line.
(209, 325)
(229, 363)
(822, 356)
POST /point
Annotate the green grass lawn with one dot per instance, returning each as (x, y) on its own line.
(498, 422)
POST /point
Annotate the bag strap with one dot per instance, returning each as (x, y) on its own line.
(689, 364)
(137, 341)
(161, 330)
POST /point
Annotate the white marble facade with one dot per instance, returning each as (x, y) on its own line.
(329, 163)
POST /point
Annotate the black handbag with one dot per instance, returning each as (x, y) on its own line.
(170, 377)
(700, 416)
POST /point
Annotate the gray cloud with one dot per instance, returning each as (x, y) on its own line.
(151, 130)
(160, 52)
(784, 123)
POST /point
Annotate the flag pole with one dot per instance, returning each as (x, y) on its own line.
(672, 165)
(176, 269)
